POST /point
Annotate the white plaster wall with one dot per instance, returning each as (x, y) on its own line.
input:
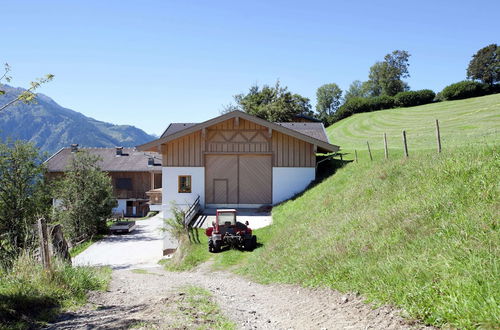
(170, 177)
(121, 207)
(288, 181)
(155, 207)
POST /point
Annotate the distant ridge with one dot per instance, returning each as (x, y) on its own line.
(51, 127)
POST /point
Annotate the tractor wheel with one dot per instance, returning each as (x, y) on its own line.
(250, 243)
(254, 242)
(216, 247)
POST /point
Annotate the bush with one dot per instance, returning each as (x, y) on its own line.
(464, 89)
(380, 102)
(363, 104)
(414, 98)
(351, 106)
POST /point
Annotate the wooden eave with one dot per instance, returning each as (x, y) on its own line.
(323, 147)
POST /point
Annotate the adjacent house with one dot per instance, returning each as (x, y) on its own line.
(135, 175)
(237, 160)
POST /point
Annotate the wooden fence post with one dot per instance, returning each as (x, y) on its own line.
(385, 146)
(405, 144)
(438, 137)
(369, 151)
(44, 243)
(356, 156)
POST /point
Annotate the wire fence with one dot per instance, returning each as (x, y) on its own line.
(408, 142)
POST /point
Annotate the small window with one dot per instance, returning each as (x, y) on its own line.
(184, 183)
(124, 183)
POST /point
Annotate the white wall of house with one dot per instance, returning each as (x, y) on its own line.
(121, 207)
(155, 207)
(288, 181)
(170, 190)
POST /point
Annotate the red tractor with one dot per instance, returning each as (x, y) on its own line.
(226, 231)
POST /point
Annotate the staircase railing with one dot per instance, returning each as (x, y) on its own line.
(192, 212)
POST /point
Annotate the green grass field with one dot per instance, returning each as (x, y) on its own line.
(420, 233)
(463, 123)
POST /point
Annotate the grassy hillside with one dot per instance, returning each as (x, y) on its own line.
(421, 234)
(463, 122)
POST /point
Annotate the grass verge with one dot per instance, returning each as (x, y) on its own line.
(197, 310)
(30, 296)
(76, 250)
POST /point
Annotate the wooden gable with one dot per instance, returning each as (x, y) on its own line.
(238, 136)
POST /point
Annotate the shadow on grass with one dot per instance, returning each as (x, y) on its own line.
(194, 235)
(326, 168)
(227, 248)
(18, 310)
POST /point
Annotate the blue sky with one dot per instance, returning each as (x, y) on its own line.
(149, 63)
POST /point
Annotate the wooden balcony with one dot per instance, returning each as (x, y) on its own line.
(130, 194)
(154, 196)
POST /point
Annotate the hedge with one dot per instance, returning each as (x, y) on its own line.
(414, 98)
(464, 89)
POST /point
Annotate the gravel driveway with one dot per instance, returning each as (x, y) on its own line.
(142, 248)
(149, 299)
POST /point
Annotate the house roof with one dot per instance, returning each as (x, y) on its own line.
(310, 118)
(313, 133)
(176, 127)
(131, 160)
(314, 130)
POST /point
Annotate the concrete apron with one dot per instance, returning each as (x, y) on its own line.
(141, 248)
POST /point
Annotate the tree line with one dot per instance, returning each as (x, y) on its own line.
(384, 89)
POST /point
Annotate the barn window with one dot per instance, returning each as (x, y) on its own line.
(124, 183)
(184, 183)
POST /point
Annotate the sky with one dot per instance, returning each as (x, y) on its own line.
(149, 63)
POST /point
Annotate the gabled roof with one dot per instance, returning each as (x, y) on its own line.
(314, 130)
(176, 127)
(131, 160)
(310, 118)
(316, 138)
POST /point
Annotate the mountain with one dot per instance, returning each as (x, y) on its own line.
(51, 127)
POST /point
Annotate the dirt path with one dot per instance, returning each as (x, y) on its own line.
(149, 299)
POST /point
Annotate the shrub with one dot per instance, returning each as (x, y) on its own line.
(351, 106)
(414, 98)
(175, 224)
(463, 90)
(380, 102)
(363, 104)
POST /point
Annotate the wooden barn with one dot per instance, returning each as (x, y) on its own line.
(237, 160)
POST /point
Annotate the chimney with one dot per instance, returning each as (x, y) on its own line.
(119, 151)
(151, 161)
(74, 147)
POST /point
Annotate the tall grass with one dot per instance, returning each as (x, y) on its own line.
(421, 234)
(29, 295)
